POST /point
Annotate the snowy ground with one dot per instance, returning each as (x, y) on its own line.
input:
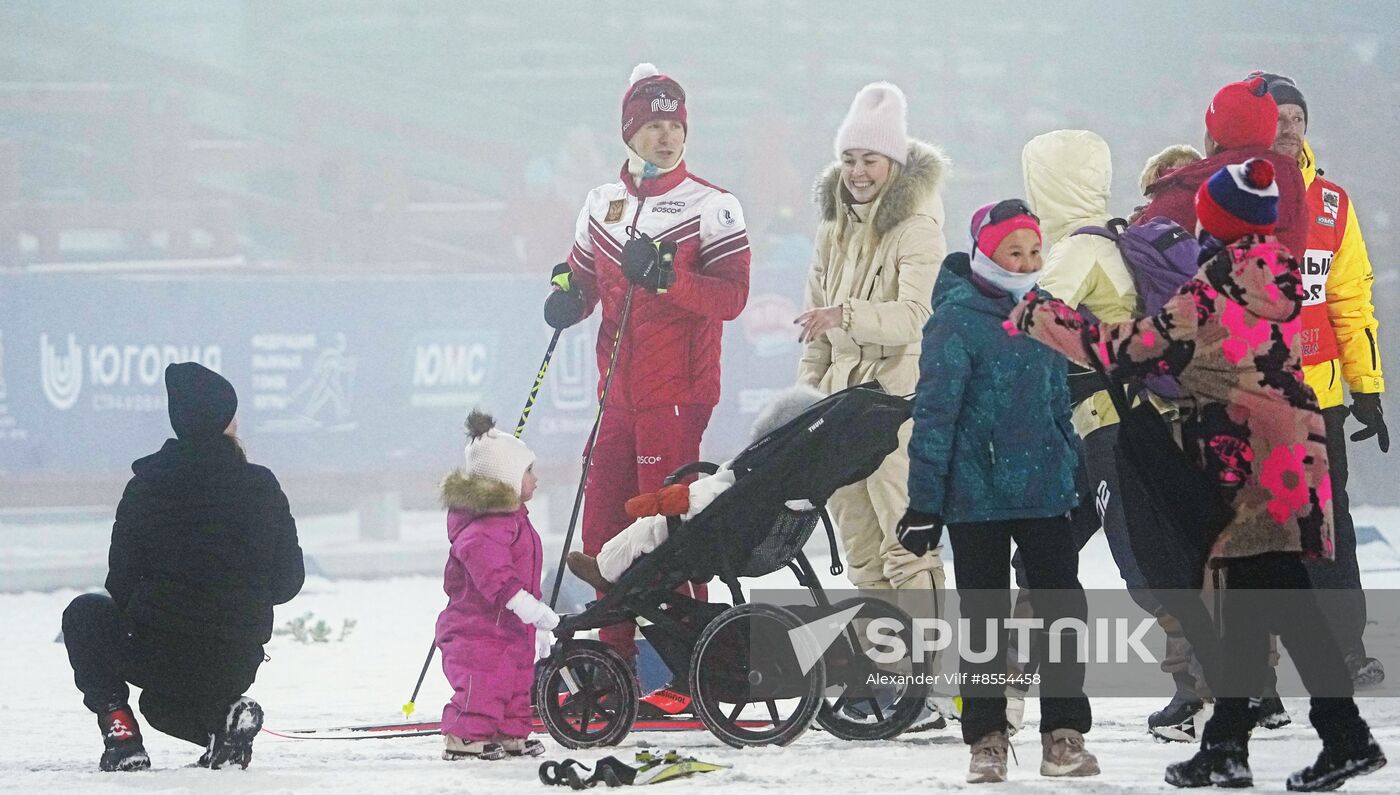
(49, 743)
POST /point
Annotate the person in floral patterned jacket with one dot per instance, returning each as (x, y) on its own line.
(1231, 336)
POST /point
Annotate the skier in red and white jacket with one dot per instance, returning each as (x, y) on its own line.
(677, 244)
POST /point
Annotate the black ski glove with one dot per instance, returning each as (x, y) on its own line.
(649, 263)
(1366, 408)
(564, 306)
(919, 532)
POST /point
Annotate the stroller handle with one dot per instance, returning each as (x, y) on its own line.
(704, 467)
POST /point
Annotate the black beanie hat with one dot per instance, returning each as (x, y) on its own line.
(1284, 91)
(202, 402)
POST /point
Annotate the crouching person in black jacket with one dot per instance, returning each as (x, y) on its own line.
(203, 546)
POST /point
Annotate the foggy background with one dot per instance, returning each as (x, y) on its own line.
(344, 190)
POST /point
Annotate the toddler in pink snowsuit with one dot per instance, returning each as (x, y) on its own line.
(494, 620)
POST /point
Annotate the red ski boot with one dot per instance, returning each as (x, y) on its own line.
(664, 703)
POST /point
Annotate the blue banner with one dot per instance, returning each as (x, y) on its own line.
(334, 373)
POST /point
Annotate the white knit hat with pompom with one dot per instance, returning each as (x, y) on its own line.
(493, 454)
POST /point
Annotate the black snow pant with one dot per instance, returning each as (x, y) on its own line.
(982, 554)
(1101, 506)
(1339, 580)
(1271, 593)
(187, 683)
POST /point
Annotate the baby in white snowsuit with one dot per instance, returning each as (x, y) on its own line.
(648, 532)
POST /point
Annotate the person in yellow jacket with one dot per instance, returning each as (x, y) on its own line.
(1339, 346)
(878, 250)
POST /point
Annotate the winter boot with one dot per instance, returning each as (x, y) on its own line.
(1365, 671)
(456, 748)
(232, 742)
(1272, 714)
(522, 746)
(1223, 764)
(1336, 764)
(1176, 722)
(121, 741)
(988, 763)
(1062, 754)
(930, 718)
(585, 567)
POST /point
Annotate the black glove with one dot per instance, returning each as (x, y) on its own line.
(1366, 408)
(919, 532)
(649, 263)
(564, 306)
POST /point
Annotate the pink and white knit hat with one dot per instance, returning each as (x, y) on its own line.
(876, 121)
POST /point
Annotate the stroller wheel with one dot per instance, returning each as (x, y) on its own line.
(747, 678)
(852, 710)
(586, 695)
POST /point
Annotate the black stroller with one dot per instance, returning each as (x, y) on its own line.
(748, 685)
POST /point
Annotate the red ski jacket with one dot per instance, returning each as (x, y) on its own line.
(1174, 195)
(670, 350)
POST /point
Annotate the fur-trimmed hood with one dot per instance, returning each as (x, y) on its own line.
(916, 185)
(478, 495)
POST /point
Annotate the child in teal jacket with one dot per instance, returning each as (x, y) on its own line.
(993, 456)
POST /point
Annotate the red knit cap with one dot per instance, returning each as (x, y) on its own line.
(650, 96)
(1243, 114)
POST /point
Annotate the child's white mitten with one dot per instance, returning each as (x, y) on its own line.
(532, 611)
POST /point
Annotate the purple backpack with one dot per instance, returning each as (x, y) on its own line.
(1161, 258)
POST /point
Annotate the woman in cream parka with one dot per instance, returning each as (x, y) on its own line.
(878, 250)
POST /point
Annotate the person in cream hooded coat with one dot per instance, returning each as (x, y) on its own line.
(1068, 174)
(876, 263)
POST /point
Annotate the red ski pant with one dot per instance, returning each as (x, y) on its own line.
(635, 451)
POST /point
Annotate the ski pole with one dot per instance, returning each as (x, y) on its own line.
(519, 429)
(539, 379)
(592, 441)
(410, 706)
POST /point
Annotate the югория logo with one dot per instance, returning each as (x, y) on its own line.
(61, 374)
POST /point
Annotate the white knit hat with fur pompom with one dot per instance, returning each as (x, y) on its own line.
(493, 454)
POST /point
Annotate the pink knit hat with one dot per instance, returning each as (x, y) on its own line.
(876, 121)
(991, 223)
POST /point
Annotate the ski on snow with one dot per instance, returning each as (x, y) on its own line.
(385, 731)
